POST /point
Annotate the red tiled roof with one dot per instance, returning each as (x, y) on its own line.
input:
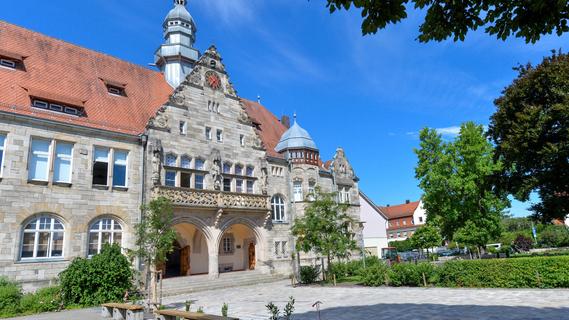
(62, 71)
(270, 128)
(401, 210)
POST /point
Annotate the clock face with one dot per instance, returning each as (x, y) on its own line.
(212, 80)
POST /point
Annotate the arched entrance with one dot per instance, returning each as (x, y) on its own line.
(237, 249)
(190, 255)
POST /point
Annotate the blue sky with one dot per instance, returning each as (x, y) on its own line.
(370, 95)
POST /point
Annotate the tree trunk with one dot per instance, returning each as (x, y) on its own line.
(153, 288)
(478, 248)
(328, 266)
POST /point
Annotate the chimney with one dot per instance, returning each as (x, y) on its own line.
(285, 120)
(388, 204)
(407, 201)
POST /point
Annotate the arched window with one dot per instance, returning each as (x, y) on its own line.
(105, 230)
(171, 160)
(278, 208)
(186, 162)
(42, 238)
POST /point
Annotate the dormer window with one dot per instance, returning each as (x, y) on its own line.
(8, 63)
(11, 60)
(56, 107)
(115, 90)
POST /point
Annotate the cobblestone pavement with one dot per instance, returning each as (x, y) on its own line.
(340, 303)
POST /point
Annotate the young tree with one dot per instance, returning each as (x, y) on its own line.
(456, 178)
(425, 237)
(155, 239)
(523, 19)
(325, 228)
(531, 131)
(475, 234)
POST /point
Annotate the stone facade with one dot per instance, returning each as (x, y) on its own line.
(76, 205)
(212, 153)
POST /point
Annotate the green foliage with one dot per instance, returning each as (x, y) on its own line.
(224, 309)
(553, 236)
(44, 300)
(403, 245)
(103, 278)
(410, 274)
(343, 270)
(273, 310)
(540, 272)
(549, 253)
(444, 19)
(309, 274)
(325, 228)
(426, 236)
(200, 309)
(289, 308)
(375, 275)
(10, 295)
(457, 180)
(154, 235)
(531, 131)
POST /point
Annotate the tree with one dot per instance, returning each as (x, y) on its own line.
(457, 181)
(402, 245)
(530, 129)
(325, 228)
(475, 235)
(155, 239)
(426, 236)
(503, 18)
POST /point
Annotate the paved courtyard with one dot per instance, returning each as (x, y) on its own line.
(340, 303)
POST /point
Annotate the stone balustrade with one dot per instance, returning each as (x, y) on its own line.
(212, 199)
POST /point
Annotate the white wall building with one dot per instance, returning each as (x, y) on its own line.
(375, 226)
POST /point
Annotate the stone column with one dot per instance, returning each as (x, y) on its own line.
(213, 268)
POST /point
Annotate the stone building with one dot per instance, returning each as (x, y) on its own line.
(86, 138)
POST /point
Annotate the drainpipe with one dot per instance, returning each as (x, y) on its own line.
(144, 142)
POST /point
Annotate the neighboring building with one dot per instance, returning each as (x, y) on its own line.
(85, 139)
(375, 226)
(404, 219)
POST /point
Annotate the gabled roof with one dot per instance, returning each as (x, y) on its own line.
(400, 210)
(376, 207)
(270, 128)
(60, 70)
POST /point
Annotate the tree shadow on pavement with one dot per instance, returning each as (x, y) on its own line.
(407, 311)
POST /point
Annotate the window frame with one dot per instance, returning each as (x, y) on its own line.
(36, 237)
(281, 206)
(100, 232)
(297, 192)
(219, 135)
(126, 171)
(31, 158)
(55, 157)
(208, 133)
(3, 152)
(183, 127)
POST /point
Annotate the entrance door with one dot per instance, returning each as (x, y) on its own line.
(173, 262)
(185, 261)
(252, 256)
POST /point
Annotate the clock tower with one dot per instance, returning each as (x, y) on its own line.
(177, 56)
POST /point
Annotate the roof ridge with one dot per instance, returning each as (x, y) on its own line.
(78, 46)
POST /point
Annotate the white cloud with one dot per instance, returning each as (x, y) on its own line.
(449, 131)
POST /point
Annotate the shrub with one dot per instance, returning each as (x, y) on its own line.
(538, 272)
(104, 278)
(44, 300)
(522, 243)
(553, 236)
(351, 268)
(410, 274)
(309, 274)
(10, 295)
(375, 275)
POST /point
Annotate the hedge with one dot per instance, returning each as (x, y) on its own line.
(538, 272)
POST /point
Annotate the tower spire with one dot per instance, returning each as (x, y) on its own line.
(176, 56)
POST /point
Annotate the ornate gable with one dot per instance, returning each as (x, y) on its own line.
(209, 72)
(342, 169)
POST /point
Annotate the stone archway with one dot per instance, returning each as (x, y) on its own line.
(190, 255)
(238, 248)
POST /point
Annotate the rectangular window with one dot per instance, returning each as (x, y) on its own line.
(297, 191)
(420, 219)
(39, 160)
(2, 147)
(239, 185)
(170, 178)
(199, 165)
(8, 63)
(101, 166)
(199, 181)
(250, 186)
(249, 171)
(284, 250)
(185, 180)
(183, 127)
(208, 133)
(242, 140)
(115, 90)
(120, 168)
(219, 135)
(226, 168)
(40, 104)
(404, 222)
(227, 184)
(63, 159)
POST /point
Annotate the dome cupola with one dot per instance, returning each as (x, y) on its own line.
(177, 56)
(297, 144)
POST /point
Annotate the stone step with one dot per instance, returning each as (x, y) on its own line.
(183, 285)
